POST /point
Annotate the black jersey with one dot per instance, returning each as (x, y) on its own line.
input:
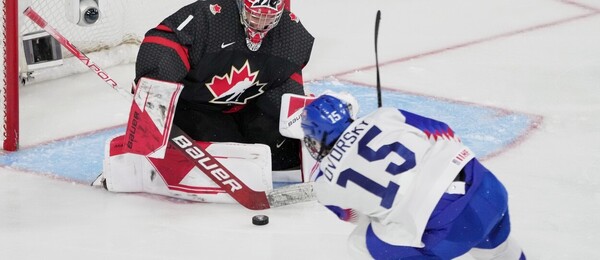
(203, 45)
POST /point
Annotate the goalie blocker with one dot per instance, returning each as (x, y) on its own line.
(143, 160)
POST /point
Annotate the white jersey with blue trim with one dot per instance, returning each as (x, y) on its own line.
(392, 166)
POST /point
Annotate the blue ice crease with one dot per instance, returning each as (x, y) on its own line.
(78, 158)
(485, 130)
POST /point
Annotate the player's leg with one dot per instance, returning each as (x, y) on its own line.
(507, 249)
(484, 221)
(497, 243)
(462, 222)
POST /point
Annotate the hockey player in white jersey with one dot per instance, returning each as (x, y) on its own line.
(413, 189)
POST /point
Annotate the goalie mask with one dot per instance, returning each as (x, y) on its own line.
(323, 121)
(258, 17)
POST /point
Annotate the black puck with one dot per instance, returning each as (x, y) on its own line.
(260, 220)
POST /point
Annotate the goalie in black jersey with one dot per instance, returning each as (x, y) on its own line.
(235, 58)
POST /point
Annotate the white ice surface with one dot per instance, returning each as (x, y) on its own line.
(538, 56)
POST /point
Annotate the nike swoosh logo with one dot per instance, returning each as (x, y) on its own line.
(280, 144)
(225, 45)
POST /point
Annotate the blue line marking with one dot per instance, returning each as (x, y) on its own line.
(485, 130)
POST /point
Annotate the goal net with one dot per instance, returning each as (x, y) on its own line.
(113, 39)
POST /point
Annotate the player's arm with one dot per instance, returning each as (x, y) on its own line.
(164, 52)
(162, 56)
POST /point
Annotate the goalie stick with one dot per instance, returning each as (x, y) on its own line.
(251, 199)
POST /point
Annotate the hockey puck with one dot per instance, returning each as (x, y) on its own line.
(260, 220)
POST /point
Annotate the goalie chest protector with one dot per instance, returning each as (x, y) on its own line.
(223, 71)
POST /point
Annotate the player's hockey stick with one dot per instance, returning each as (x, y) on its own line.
(377, 19)
(251, 199)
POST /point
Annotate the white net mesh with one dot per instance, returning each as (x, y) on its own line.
(108, 32)
(114, 38)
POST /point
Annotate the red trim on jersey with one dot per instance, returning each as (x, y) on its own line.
(162, 27)
(181, 51)
(297, 77)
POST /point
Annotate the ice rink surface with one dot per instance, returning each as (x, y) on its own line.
(538, 60)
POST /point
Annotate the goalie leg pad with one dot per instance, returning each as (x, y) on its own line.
(121, 171)
(151, 117)
(176, 176)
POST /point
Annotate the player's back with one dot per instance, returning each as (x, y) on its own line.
(394, 165)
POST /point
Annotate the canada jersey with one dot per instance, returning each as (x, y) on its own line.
(203, 45)
(393, 166)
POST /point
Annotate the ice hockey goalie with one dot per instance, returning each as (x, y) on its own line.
(142, 160)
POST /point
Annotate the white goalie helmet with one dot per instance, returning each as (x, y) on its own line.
(258, 17)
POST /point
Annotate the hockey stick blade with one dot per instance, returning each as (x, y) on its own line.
(247, 197)
(291, 194)
(251, 199)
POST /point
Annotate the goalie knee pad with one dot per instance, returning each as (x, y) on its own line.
(123, 172)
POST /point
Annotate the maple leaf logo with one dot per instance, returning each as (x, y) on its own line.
(237, 87)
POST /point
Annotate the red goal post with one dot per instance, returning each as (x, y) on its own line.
(10, 75)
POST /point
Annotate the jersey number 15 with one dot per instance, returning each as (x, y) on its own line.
(387, 194)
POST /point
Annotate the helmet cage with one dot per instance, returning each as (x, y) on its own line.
(254, 39)
(317, 149)
(258, 17)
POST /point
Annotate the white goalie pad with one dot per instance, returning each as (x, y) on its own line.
(175, 176)
(151, 117)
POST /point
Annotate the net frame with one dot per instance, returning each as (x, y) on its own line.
(10, 75)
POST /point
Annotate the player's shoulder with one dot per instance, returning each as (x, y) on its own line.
(394, 118)
(290, 24)
(386, 114)
(215, 7)
(205, 9)
(193, 20)
(294, 42)
(395, 114)
(389, 118)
